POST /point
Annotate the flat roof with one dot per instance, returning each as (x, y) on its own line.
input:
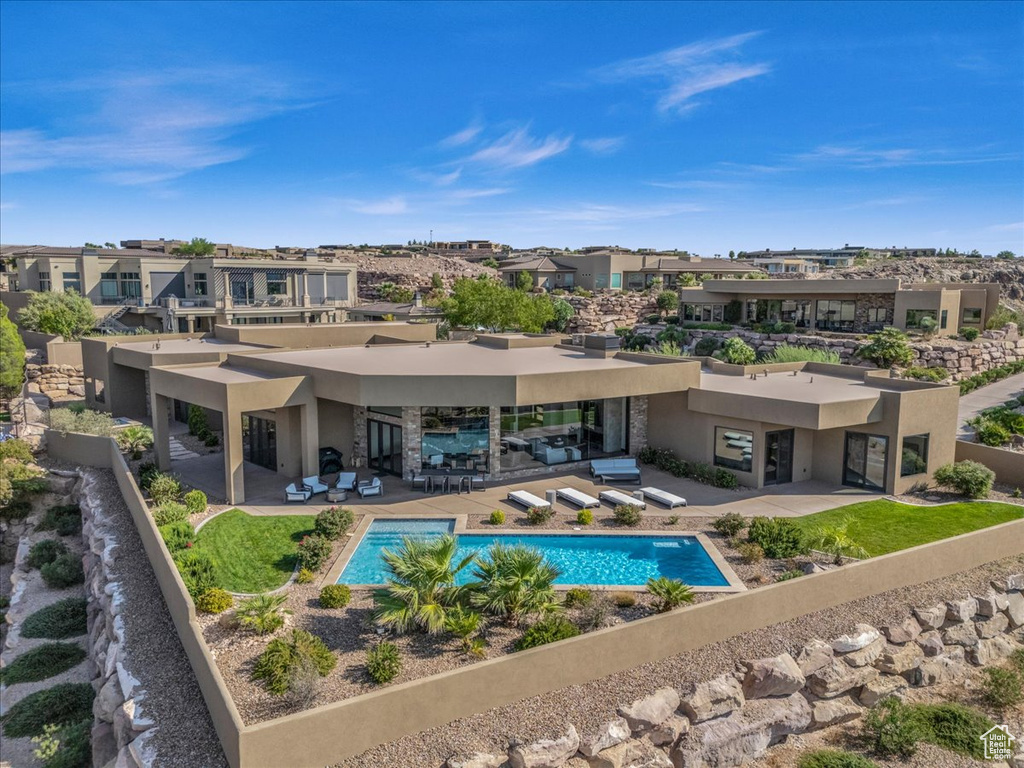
(804, 387)
(186, 346)
(224, 374)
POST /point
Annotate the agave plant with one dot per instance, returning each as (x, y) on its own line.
(420, 586)
(515, 582)
(835, 540)
(669, 593)
(261, 613)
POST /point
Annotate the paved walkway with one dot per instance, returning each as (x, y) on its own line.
(179, 452)
(988, 396)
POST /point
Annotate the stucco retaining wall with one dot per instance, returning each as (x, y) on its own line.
(1008, 465)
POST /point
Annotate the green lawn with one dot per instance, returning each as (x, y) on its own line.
(253, 554)
(884, 526)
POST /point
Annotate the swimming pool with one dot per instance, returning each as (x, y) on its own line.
(582, 558)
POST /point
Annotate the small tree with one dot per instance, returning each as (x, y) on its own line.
(834, 540)
(1006, 255)
(12, 355)
(196, 247)
(667, 301)
(436, 282)
(524, 281)
(563, 314)
(738, 352)
(886, 348)
(67, 314)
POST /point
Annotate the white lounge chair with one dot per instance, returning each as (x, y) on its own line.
(372, 487)
(618, 497)
(346, 481)
(527, 499)
(663, 497)
(580, 499)
(297, 493)
(314, 484)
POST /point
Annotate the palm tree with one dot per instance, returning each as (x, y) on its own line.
(836, 541)
(669, 593)
(261, 613)
(420, 585)
(514, 582)
(134, 440)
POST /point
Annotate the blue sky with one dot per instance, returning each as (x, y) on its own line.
(705, 127)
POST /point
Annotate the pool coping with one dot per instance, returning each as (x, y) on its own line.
(735, 583)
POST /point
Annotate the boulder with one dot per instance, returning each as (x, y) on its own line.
(743, 735)
(104, 744)
(712, 698)
(931, 643)
(645, 713)
(834, 711)
(838, 678)
(882, 687)
(107, 700)
(1015, 609)
(475, 760)
(547, 753)
(899, 659)
(993, 626)
(961, 634)
(777, 676)
(863, 635)
(605, 735)
(961, 610)
(813, 656)
(991, 604)
(992, 649)
(1015, 582)
(903, 632)
(937, 670)
(931, 617)
(865, 655)
(631, 754)
(669, 732)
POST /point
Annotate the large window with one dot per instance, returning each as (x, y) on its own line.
(556, 433)
(972, 316)
(73, 282)
(635, 281)
(44, 281)
(108, 287)
(914, 457)
(131, 285)
(878, 315)
(734, 448)
(276, 283)
(915, 316)
(836, 315)
(703, 313)
(455, 438)
(601, 280)
(199, 283)
(776, 310)
(865, 459)
(616, 279)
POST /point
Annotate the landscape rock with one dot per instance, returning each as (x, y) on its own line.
(931, 617)
(104, 744)
(882, 687)
(990, 650)
(1015, 581)
(834, 711)
(712, 698)
(813, 656)
(645, 713)
(937, 670)
(931, 643)
(475, 760)
(107, 700)
(776, 676)
(993, 626)
(865, 655)
(863, 635)
(631, 754)
(961, 634)
(669, 731)
(1015, 609)
(606, 735)
(991, 604)
(838, 678)
(547, 753)
(897, 660)
(904, 632)
(961, 610)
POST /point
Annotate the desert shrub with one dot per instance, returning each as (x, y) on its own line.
(886, 348)
(65, 519)
(892, 729)
(672, 520)
(969, 478)
(970, 333)
(787, 354)
(135, 440)
(45, 551)
(198, 570)
(314, 550)
(594, 614)
(215, 600)
(383, 662)
(738, 352)
(164, 488)
(305, 576)
(1003, 687)
(669, 593)
(198, 424)
(177, 536)
(57, 621)
(750, 552)
(953, 727)
(832, 758)
(63, 571)
(987, 377)
(539, 515)
(628, 514)
(723, 478)
(17, 508)
(794, 573)
(333, 522)
(624, 599)
(59, 705)
(261, 613)
(729, 524)
(585, 517)
(464, 623)
(547, 630)
(335, 596)
(934, 373)
(276, 664)
(577, 597)
(706, 346)
(81, 421)
(497, 517)
(42, 662)
(211, 440)
(147, 473)
(195, 502)
(778, 537)
(16, 449)
(69, 747)
(169, 512)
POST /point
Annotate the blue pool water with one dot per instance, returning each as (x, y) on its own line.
(583, 558)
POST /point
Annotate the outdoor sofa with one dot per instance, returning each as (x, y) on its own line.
(615, 469)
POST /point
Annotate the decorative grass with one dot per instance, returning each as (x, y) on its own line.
(253, 554)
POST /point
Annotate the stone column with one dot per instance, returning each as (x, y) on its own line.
(637, 424)
(495, 442)
(412, 441)
(161, 432)
(359, 436)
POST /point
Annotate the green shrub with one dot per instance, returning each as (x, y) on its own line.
(954, 727)
(42, 662)
(464, 623)
(934, 373)
(333, 522)
(778, 537)
(335, 596)
(60, 705)
(164, 488)
(497, 517)
(1003, 687)
(1017, 660)
(177, 536)
(65, 519)
(729, 524)
(57, 621)
(672, 520)
(214, 600)
(987, 377)
(736, 351)
(16, 449)
(539, 515)
(134, 440)
(667, 461)
(195, 502)
(198, 425)
(169, 512)
(892, 729)
(45, 551)
(69, 747)
(276, 664)
(577, 597)
(787, 354)
(261, 613)
(794, 573)
(383, 662)
(887, 348)
(585, 517)
(147, 473)
(669, 593)
(750, 552)
(63, 571)
(16, 509)
(968, 478)
(314, 550)
(628, 514)
(198, 570)
(81, 421)
(706, 346)
(305, 576)
(623, 599)
(970, 333)
(547, 630)
(832, 758)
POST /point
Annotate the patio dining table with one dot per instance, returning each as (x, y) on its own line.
(449, 478)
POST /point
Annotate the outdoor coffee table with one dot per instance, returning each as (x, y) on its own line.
(335, 495)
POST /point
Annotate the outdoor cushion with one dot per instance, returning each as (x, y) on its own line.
(580, 499)
(314, 485)
(663, 497)
(346, 481)
(371, 488)
(618, 497)
(294, 493)
(527, 499)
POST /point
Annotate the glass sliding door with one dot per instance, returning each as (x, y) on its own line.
(259, 440)
(778, 457)
(865, 460)
(384, 451)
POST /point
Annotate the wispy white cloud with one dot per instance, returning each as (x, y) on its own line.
(474, 194)
(693, 184)
(7, 206)
(887, 202)
(518, 149)
(603, 216)
(607, 145)
(463, 137)
(898, 157)
(688, 70)
(391, 206)
(1013, 226)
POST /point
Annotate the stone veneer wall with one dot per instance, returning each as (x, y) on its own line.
(55, 381)
(606, 311)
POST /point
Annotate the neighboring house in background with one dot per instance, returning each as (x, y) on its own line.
(166, 293)
(837, 257)
(788, 266)
(389, 310)
(845, 306)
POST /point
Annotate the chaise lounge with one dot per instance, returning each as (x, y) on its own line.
(580, 499)
(664, 498)
(616, 498)
(615, 469)
(527, 499)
